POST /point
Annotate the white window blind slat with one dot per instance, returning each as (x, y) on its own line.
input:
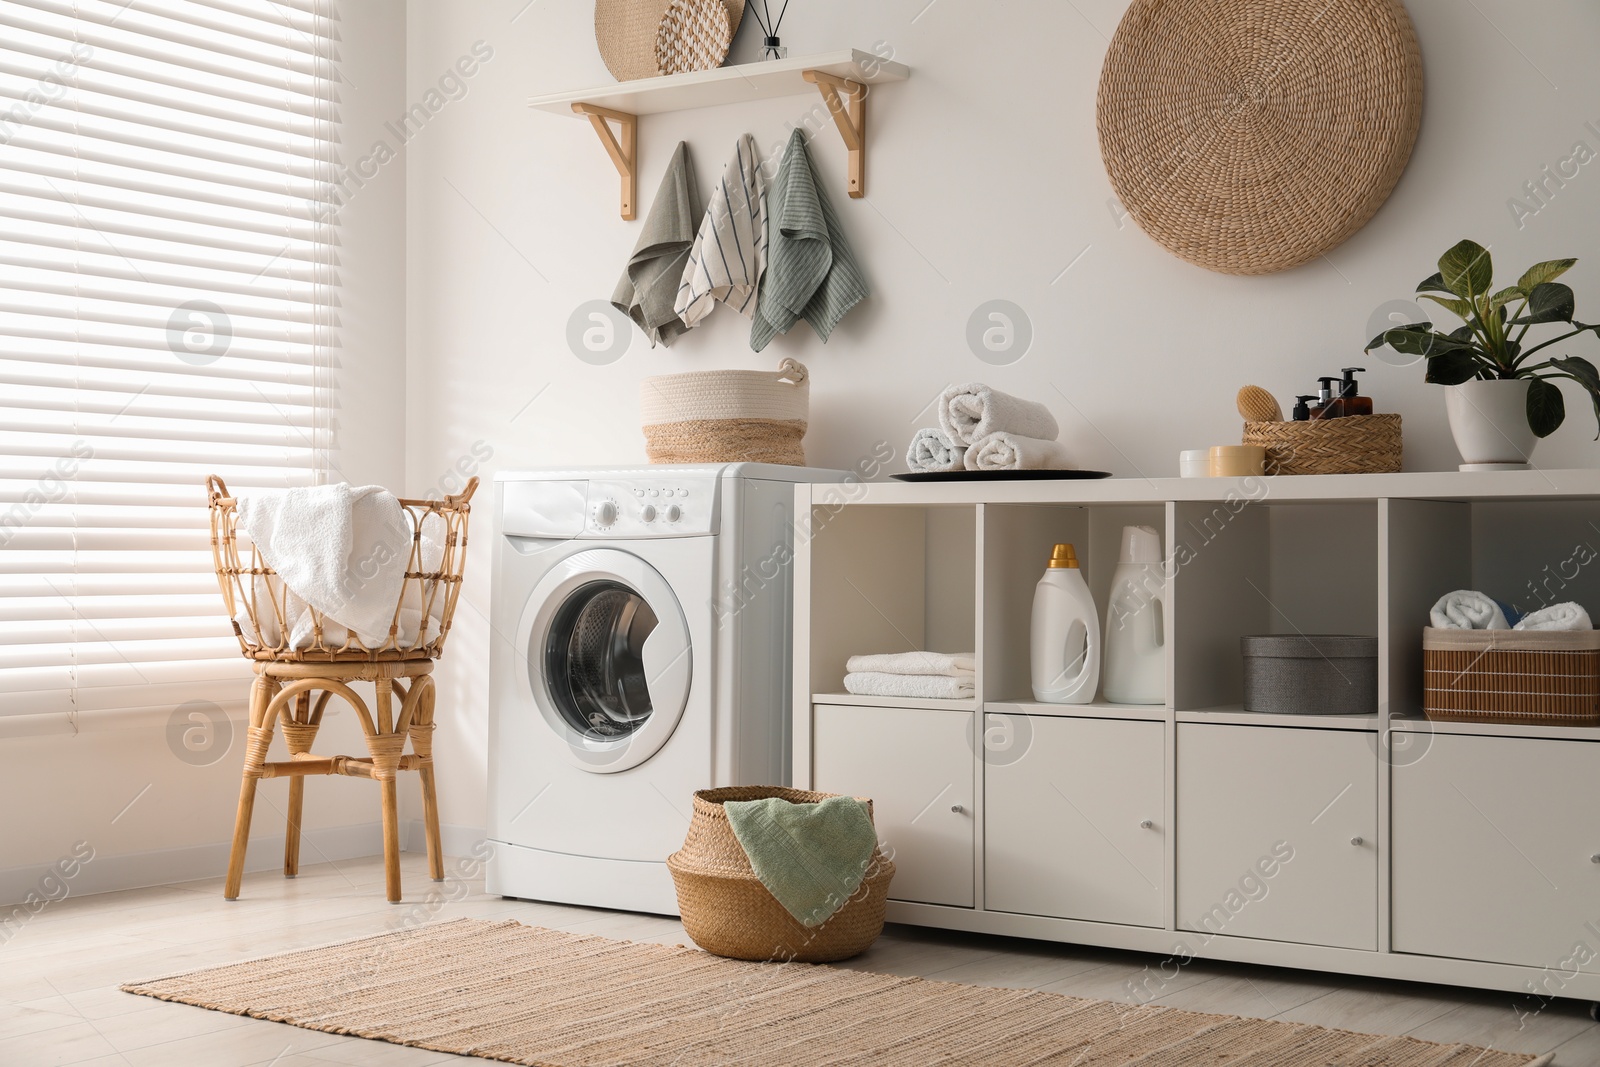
(168, 303)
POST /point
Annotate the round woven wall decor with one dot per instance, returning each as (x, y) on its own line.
(1249, 136)
(693, 35)
(626, 30)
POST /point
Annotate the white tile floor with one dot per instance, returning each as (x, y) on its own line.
(59, 1002)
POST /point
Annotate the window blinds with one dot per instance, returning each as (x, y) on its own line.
(168, 281)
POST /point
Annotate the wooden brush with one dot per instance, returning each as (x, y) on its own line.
(1258, 405)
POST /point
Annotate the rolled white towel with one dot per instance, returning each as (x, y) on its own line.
(1467, 609)
(954, 664)
(915, 686)
(1004, 451)
(972, 411)
(932, 450)
(1556, 617)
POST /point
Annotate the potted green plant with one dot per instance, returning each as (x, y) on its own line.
(1501, 400)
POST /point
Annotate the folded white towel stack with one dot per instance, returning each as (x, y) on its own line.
(932, 450)
(953, 664)
(918, 686)
(1467, 609)
(1556, 617)
(974, 411)
(1003, 451)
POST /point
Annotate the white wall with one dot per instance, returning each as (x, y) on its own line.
(57, 788)
(984, 181)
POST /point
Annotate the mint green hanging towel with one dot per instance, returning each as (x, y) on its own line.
(811, 857)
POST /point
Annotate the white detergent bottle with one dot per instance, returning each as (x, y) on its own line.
(1066, 634)
(1136, 647)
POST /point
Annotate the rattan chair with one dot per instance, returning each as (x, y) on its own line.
(295, 678)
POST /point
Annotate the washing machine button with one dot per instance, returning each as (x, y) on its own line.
(605, 513)
(648, 514)
(674, 513)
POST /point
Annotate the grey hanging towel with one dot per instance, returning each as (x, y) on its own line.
(649, 285)
(811, 272)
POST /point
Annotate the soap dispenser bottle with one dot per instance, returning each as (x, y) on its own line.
(1326, 405)
(1066, 634)
(1136, 647)
(1351, 402)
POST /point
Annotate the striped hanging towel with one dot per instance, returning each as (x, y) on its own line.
(730, 251)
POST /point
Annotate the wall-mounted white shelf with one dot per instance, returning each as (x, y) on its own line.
(849, 72)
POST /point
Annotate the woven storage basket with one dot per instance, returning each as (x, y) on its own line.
(1359, 444)
(727, 416)
(693, 35)
(728, 912)
(625, 31)
(1534, 676)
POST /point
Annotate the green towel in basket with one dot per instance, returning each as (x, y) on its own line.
(812, 857)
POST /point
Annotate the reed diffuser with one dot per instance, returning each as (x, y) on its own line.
(772, 47)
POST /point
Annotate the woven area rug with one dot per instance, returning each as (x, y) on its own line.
(521, 994)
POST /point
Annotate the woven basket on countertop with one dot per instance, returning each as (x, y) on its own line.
(1358, 444)
(1531, 676)
(727, 416)
(728, 912)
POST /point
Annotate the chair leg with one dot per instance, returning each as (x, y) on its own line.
(386, 747)
(299, 736)
(259, 739)
(422, 745)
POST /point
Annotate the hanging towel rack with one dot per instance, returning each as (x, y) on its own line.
(842, 78)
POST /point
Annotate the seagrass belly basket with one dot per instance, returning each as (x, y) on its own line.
(727, 416)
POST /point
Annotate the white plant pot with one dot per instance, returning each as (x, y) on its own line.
(1489, 420)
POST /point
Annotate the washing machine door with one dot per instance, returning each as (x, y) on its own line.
(609, 658)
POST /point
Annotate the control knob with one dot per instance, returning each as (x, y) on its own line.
(605, 513)
(648, 513)
(674, 513)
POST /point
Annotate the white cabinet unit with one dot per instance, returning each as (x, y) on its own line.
(1497, 852)
(1375, 843)
(1277, 834)
(1074, 819)
(916, 766)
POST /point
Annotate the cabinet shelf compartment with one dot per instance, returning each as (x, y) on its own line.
(1260, 567)
(889, 579)
(1017, 539)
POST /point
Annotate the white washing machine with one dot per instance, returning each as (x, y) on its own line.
(642, 623)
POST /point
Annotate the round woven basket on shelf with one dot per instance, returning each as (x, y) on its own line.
(727, 416)
(1250, 138)
(1358, 444)
(625, 31)
(693, 35)
(728, 912)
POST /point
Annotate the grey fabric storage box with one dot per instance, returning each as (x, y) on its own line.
(1311, 674)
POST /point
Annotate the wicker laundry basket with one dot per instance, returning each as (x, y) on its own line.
(1530, 676)
(1358, 444)
(728, 912)
(727, 416)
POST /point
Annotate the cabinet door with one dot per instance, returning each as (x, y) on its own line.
(917, 767)
(1497, 852)
(1074, 826)
(1277, 834)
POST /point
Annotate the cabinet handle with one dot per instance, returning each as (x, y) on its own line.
(1147, 825)
(1358, 842)
(957, 808)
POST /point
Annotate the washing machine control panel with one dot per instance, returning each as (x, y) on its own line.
(665, 507)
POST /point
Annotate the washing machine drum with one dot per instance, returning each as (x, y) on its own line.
(609, 657)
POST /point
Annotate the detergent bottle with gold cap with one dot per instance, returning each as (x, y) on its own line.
(1066, 634)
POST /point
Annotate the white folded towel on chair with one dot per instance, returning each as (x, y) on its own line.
(1556, 617)
(342, 549)
(1005, 451)
(916, 686)
(1467, 609)
(969, 412)
(954, 664)
(932, 450)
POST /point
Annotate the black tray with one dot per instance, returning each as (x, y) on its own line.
(999, 476)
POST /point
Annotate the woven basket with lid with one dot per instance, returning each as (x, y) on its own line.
(1358, 444)
(728, 912)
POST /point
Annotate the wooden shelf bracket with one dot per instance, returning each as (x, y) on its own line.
(851, 120)
(624, 153)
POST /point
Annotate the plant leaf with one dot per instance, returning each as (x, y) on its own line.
(1548, 271)
(1548, 302)
(1418, 341)
(1467, 270)
(1505, 296)
(1461, 309)
(1434, 283)
(1588, 377)
(1546, 409)
(1461, 333)
(1452, 368)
